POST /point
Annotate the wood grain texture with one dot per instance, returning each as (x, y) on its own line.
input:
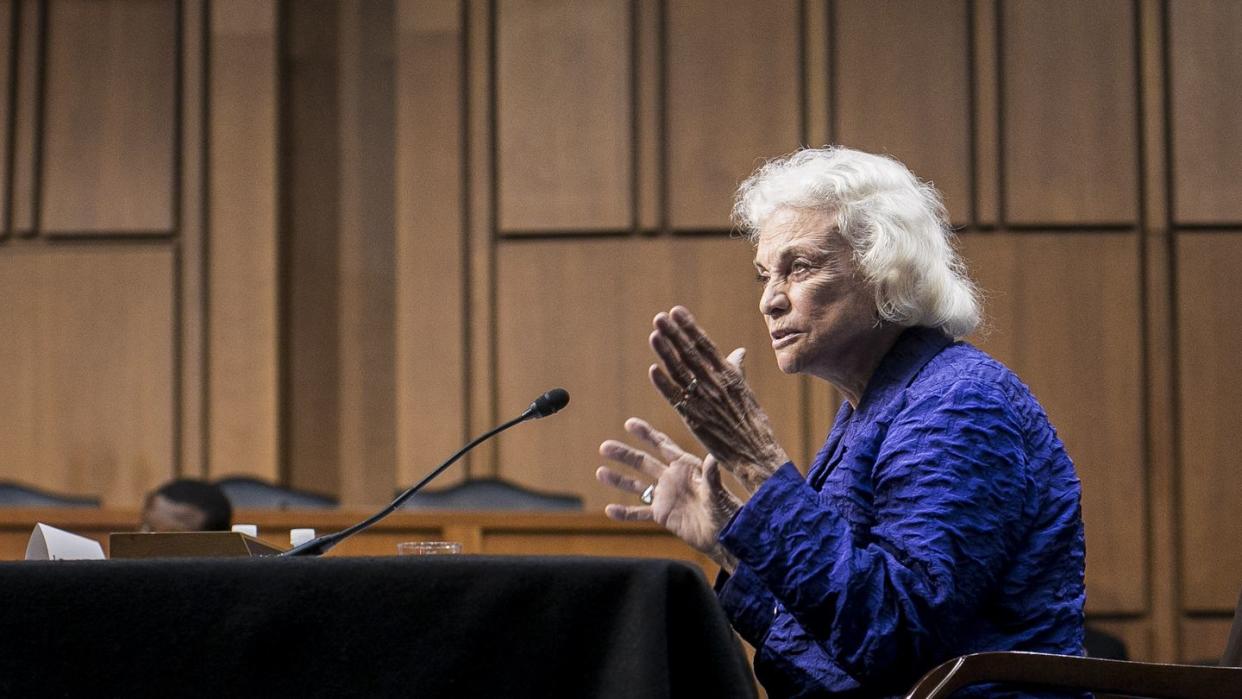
(648, 126)
(1210, 387)
(1205, 639)
(1070, 125)
(563, 115)
(28, 54)
(579, 316)
(6, 107)
(1161, 412)
(1205, 70)
(903, 77)
(480, 251)
(88, 383)
(191, 237)
(242, 352)
(312, 245)
(367, 341)
(1063, 313)
(816, 46)
(733, 101)
(432, 289)
(986, 134)
(109, 117)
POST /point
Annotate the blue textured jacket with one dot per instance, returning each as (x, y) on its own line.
(940, 518)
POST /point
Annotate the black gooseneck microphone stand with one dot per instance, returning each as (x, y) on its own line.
(543, 406)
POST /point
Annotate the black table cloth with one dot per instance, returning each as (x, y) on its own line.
(440, 626)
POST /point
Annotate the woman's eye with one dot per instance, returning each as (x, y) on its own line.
(762, 278)
(799, 268)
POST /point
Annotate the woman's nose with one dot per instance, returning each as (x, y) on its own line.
(773, 302)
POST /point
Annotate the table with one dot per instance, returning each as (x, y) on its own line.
(439, 626)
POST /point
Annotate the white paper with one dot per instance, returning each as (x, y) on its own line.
(51, 544)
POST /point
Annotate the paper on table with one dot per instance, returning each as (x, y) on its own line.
(51, 544)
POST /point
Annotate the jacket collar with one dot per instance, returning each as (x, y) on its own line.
(911, 352)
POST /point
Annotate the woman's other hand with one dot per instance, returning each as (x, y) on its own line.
(687, 497)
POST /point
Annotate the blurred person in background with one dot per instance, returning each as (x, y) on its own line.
(187, 505)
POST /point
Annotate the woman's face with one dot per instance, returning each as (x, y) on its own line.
(818, 309)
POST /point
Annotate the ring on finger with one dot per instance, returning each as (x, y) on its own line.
(648, 495)
(680, 406)
(690, 388)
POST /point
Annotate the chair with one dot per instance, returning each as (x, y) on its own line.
(491, 494)
(245, 492)
(17, 495)
(1048, 671)
(1233, 648)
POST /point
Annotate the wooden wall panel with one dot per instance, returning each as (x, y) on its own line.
(595, 345)
(1069, 91)
(88, 379)
(648, 106)
(1209, 319)
(563, 115)
(1159, 333)
(481, 409)
(29, 56)
(368, 445)
(191, 440)
(242, 264)
(1206, 69)
(903, 75)
(816, 69)
(6, 107)
(109, 116)
(986, 104)
(1205, 639)
(733, 100)
(311, 245)
(431, 284)
(1063, 314)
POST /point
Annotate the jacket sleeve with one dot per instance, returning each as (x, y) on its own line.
(949, 486)
(747, 602)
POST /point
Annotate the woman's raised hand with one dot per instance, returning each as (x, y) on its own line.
(712, 397)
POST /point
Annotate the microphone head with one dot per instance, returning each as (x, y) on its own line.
(548, 403)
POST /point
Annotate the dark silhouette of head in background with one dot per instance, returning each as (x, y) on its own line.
(187, 505)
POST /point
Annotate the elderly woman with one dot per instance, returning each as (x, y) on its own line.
(941, 516)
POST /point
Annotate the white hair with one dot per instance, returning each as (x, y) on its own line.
(895, 224)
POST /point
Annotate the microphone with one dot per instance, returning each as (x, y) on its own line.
(548, 403)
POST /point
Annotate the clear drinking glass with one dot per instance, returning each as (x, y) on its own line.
(427, 548)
